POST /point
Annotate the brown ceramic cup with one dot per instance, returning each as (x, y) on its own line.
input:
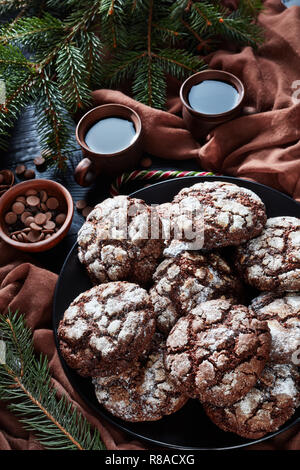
(200, 124)
(95, 164)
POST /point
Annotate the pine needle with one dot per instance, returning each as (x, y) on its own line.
(25, 383)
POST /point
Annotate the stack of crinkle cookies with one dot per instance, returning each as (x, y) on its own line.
(164, 323)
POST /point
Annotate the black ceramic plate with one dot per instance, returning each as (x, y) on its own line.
(189, 428)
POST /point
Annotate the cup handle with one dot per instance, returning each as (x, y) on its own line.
(84, 174)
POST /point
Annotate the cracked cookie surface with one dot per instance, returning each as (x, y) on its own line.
(217, 352)
(144, 392)
(282, 313)
(265, 408)
(272, 260)
(230, 214)
(181, 283)
(106, 328)
(120, 240)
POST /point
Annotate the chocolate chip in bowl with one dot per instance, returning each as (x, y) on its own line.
(35, 215)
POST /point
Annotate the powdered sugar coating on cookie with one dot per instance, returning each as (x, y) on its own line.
(217, 352)
(265, 408)
(181, 283)
(120, 240)
(282, 313)
(144, 392)
(231, 214)
(106, 328)
(272, 260)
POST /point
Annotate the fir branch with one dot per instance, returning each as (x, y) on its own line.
(30, 30)
(25, 383)
(53, 122)
(72, 77)
(149, 84)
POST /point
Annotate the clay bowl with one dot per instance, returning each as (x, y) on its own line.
(53, 189)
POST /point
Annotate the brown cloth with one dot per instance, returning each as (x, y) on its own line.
(263, 147)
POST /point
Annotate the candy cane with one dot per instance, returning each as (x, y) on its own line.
(150, 175)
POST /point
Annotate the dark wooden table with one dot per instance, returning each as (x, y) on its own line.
(24, 147)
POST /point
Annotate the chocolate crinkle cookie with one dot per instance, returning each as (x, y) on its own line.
(265, 408)
(106, 328)
(282, 313)
(217, 352)
(229, 214)
(144, 392)
(271, 262)
(120, 240)
(183, 282)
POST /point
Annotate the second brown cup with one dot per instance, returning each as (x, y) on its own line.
(201, 123)
(96, 163)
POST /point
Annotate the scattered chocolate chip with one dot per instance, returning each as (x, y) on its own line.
(86, 211)
(29, 174)
(40, 163)
(81, 204)
(20, 170)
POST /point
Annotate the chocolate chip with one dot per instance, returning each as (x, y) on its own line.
(20, 170)
(86, 211)
(52, 203)
(60, 218)
(49, 225)
(81, 204)
(18, 208)
(40, 219)
(29, 174)
(43, 196)
(40, 163)
(10, 218)
(1, 178)
(33, 236)
(31, 192)
(29, 221)
(33, 201)
(24, 216)
(20, 237)
(35, 227)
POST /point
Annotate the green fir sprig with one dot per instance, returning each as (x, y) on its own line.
(54, 53)
(25, 384)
